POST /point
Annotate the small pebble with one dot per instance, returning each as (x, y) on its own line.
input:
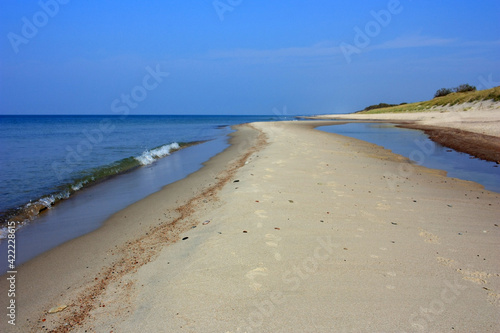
(185, 238)
(57, 308)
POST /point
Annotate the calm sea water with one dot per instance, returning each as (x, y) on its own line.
(46, 158)
(416, 146)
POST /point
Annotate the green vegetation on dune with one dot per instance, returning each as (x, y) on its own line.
(450, 99)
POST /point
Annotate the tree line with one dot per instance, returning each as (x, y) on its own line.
(461, 88)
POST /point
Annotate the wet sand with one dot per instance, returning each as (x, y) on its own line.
(486, 147)
(290, 229)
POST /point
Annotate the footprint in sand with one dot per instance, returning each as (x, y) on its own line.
(390, 286)
(476, 277)
(382, 206)
(261, 213)
(254, 273)
(494, 298)
(445, 261)
(428, 237)
(272, 241)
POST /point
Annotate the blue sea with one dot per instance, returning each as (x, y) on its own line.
(50, 157)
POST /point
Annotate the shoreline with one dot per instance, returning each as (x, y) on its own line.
(472, 128)
(485, 147)
(74, 263)
(269, 202)
(90, 207)
(29, 212)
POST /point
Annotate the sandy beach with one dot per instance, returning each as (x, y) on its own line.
(472, 128)
(291, 229)
(479, 117)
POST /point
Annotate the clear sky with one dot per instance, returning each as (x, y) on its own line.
(240, 56)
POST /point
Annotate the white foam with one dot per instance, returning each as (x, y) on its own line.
(149, 156)
(47, 201)
(78, 186)
(4, 232)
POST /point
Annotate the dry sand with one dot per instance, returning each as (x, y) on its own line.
(309, 232)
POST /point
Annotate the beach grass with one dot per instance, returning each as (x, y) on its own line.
(448, 100)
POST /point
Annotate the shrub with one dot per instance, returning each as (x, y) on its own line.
(378, 106)
(464, 88)
(442, 92)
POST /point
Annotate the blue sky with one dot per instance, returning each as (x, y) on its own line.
(240, 56)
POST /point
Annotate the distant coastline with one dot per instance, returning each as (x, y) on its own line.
(467, 122)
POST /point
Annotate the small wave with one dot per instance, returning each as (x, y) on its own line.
(79, 185)
(48, 201)
(31, 210)
(149, 156)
